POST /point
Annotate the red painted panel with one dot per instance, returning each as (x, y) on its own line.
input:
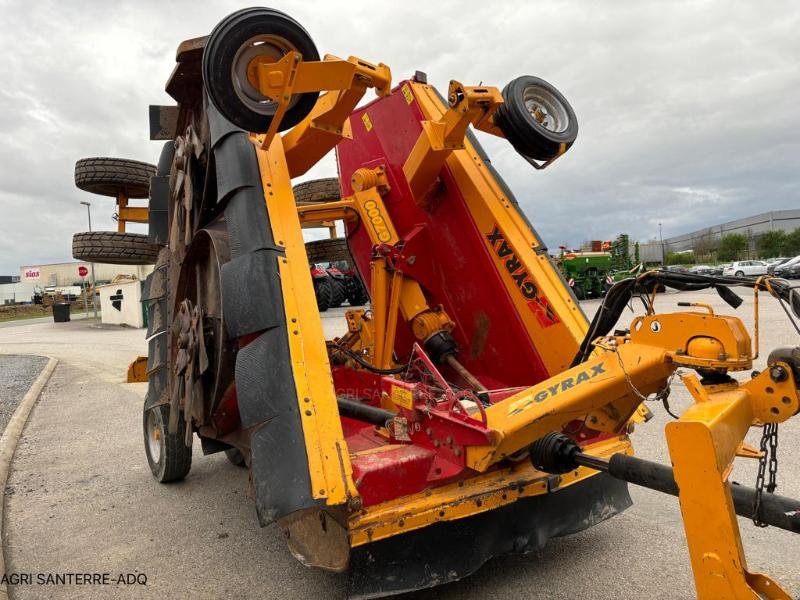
(386, 474)
(455, 269)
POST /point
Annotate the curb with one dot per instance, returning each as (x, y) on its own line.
(8, 444)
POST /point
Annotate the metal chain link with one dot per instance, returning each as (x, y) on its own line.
(662, 395)
(769, 458)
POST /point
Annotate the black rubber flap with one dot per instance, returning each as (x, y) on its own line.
(449, 551)
(252, 300)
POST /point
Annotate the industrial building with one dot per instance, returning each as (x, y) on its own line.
(62, 275)
(750, 227)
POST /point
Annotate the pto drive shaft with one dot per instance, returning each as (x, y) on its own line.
(557, 453)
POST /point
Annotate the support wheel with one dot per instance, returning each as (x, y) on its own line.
(234, 43)
(536, 118)
(317, 190)
(739, 273)
(109, 176)
(328, 251)
(113, 247)
(167, 454)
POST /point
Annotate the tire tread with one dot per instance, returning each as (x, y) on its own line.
(114, 248)
(106, 176)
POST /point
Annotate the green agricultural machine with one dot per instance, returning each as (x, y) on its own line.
(588, 273)
(591, 272)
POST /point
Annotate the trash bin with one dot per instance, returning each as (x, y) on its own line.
(61, 312)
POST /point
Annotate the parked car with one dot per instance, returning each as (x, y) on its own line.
(793, 271)
(784, 269)
(701, 269)
(774, 264)
(740, 268)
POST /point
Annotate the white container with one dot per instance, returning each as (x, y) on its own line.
(121, 303)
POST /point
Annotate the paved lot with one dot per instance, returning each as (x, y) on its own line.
(84, 500)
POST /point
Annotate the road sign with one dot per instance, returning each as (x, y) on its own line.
(83, 271)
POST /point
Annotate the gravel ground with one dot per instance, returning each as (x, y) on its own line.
(85, 500)
(17, 373)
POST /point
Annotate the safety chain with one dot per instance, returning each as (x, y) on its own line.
(769, 456)
(662, 395)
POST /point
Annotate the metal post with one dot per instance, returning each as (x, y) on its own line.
(94, 288)
(85, 299)
(661, 240)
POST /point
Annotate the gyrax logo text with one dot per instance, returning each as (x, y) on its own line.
(377, 220)
(555, 389)
(526, 286)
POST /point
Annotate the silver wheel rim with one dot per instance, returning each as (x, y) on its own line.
(545, 108)
(154, 436)
(272, 46)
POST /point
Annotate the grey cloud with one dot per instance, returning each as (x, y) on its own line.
(687, 110)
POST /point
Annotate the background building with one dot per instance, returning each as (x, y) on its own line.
(61, 275)
(750, 227)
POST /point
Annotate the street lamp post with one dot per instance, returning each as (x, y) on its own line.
(94, 292)
(661, 241)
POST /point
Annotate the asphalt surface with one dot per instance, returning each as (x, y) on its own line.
(17, 373)
(85, 501)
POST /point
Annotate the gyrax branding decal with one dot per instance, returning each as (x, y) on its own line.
(550, 391)
(377, 220)
(526, 286)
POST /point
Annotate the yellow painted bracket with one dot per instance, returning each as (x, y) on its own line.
(133, 214)
(137, 370)
(345, 80)
(702, 446)
(468, 105)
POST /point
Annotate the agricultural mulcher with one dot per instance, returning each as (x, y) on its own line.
(471, 411)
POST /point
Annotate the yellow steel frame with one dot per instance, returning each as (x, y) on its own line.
(129, 214)
(702, 446)
(490, 207)
(605, 390)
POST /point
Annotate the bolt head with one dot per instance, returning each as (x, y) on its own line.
(778, 374)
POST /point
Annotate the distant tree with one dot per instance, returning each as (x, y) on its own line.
(680, 258)
(771, 244)
(792, 243)
(703, 245)
(732, 246)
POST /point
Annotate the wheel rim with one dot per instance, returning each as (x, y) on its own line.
(272, 46)
(154, 435)
(545, 108)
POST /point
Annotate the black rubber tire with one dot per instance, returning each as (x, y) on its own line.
(577, 289)
(318, 190)
(220, 51)
(357, 294)
(739, 274)
(323, 251)
(529, 137)
(175, 459)
(235, 457)
(339, 294)
(109, 176)
(114, 248)
(324, 292)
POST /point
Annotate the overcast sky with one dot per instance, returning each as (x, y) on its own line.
(689, 112)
